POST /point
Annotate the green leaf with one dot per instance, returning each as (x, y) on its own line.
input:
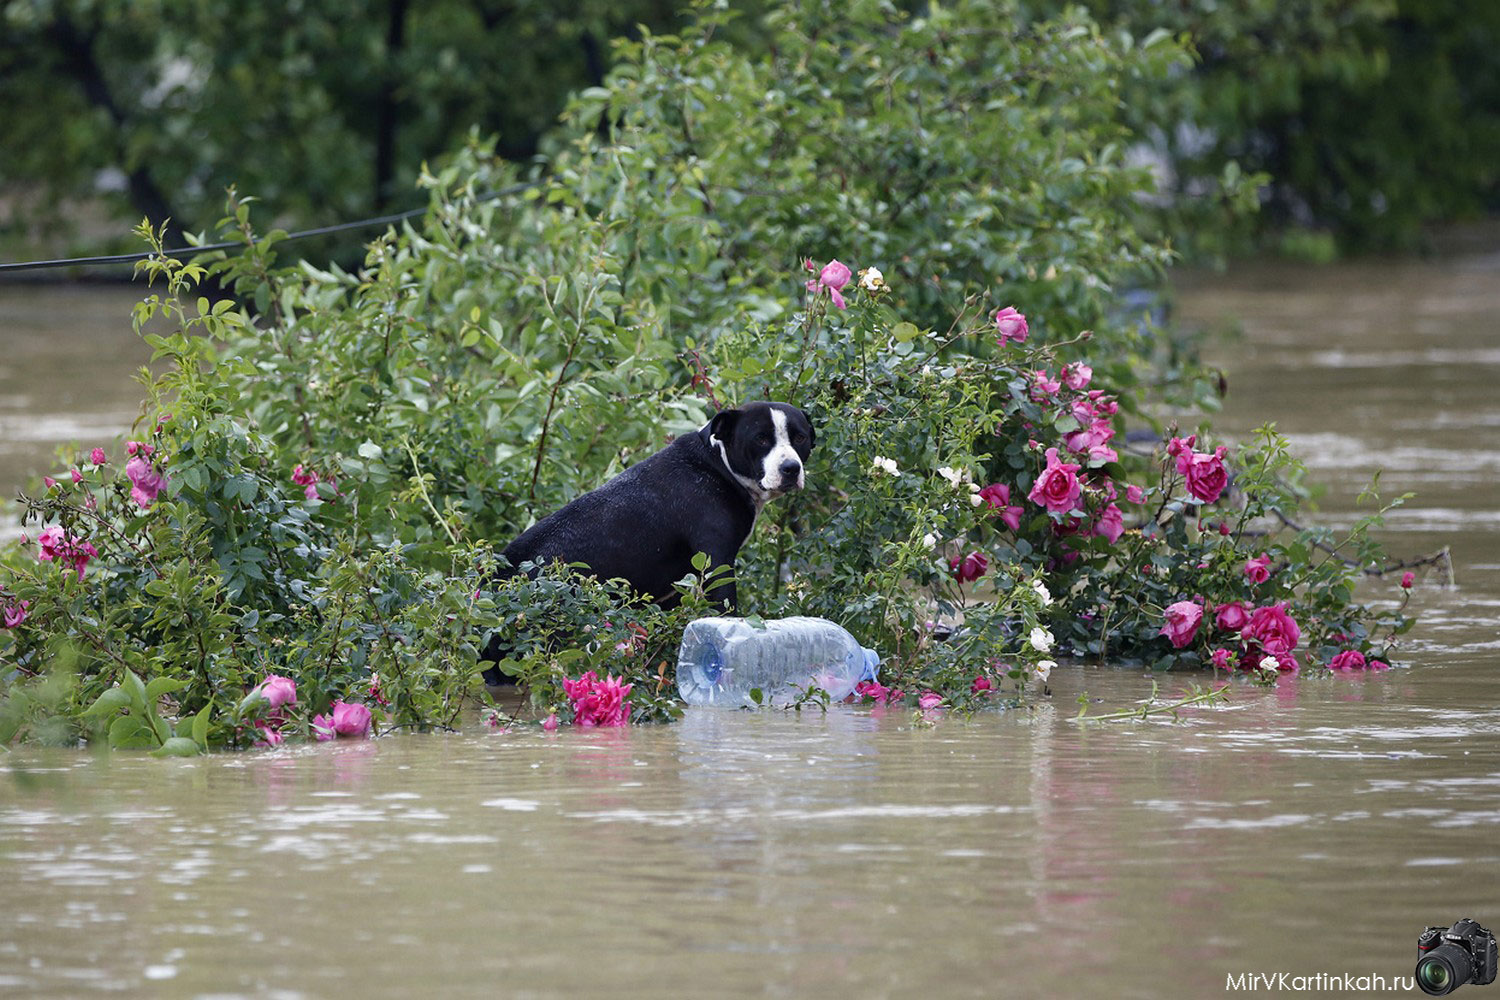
(110, 701)
(200, 725)
(251, 704)
(163, 685)
(135, 689)
(178, 746)
(129, 732)
(700, 561)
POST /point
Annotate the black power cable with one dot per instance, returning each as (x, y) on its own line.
(129, 258)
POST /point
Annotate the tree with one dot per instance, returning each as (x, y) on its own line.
(326, 112)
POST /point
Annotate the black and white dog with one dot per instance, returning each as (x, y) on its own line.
(701, 493)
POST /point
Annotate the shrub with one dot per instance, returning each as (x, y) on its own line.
(321, 479)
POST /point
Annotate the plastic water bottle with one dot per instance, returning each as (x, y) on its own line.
(723, 659)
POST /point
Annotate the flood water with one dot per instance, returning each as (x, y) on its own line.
(1313, 828)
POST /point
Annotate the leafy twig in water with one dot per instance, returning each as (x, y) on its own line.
(1199, 696)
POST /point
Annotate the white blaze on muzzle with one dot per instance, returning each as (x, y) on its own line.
(781, 453)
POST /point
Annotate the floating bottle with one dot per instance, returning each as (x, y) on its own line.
(723, 659)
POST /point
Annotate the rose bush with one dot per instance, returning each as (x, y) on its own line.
(325, 468)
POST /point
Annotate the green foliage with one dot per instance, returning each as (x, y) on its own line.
(340, 104)
(1366, 118)
(344, 461)
(1360, 120)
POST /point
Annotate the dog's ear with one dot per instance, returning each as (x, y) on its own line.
(723, 423)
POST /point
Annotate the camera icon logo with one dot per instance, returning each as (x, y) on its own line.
(1449, 957)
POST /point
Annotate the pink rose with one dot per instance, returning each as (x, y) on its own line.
(1258, 570)
(969, 567)
(1182, 622)
(997, 495)
(550, 722)
(1011, 325)
(98, 457)
(1057, 487)
(1407, 579)
(1104, 407)
(77, 476)
(351, 720)
(1349, 659)
(1222, 659)
(15, 614)
(1091, 438)
(54, 543)
(322, 726)
(1043, 386)
(278, 690)
(147, 482)
(1206, 475)
(599, 702)
(834, 276)
(873, 690)
(981, 683)
(1232, 617)
(929, 700)
(50, 543)
(1077, 375)
(1274, 629)
(49, 482)
(1378, 665)
(133, 448)
(1134, 494)
(268, 737)
(1110, 524)
(1182, 450)
(375, 693)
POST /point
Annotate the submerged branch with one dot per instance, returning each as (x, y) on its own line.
(1443, 557)
(1200, 696)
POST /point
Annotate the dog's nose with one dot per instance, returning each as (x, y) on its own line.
(790, 472)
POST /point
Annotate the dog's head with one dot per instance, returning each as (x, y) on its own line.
(765, 446)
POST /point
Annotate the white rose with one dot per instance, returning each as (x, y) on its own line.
(956, 477)
(886, 466)
(1270, 665)
(871, 280)
(1042, 593)
(930, 540)
(1044, 670)
(1041, 640)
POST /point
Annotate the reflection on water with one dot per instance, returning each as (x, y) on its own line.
(768, 853)
(1313, 827)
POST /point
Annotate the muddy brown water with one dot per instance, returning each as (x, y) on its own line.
(1313, 828)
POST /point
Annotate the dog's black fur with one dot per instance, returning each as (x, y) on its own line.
(701, 493)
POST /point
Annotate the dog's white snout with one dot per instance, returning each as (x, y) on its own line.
(783, 466)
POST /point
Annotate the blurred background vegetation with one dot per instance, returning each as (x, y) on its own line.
(1356, 124)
